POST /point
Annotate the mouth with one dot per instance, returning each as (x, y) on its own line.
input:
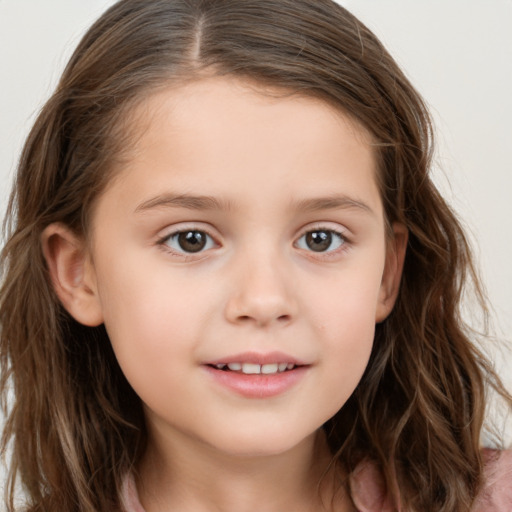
(257, 376)
(254, 368)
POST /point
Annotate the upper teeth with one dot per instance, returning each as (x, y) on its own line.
(252, 369)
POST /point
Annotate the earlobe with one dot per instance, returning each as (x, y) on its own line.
(390, 285)
(72, 274)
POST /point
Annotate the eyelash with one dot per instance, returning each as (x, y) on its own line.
(344, 242)
(164, 243)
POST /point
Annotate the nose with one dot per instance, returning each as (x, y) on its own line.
(262, 293)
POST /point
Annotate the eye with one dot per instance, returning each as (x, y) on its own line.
(189, 241)
(321, 240)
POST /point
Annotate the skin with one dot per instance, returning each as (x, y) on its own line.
(268, 163)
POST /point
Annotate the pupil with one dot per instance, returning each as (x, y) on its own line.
(192, 241)
(319, 241)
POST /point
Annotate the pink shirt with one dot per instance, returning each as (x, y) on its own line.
(369, 493)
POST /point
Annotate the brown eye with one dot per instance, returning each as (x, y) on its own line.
(189, 241)
(321, 240)
(192, 241)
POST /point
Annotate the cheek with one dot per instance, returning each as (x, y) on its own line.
(346, 304)
(151, 324)
(345, 322)
(154, 346)
(349, 335)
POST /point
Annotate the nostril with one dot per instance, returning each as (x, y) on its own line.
(281, 319)
(260, 309)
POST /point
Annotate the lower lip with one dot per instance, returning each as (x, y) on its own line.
(259, 385)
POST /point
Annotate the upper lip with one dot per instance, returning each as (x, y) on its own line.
(258, 358)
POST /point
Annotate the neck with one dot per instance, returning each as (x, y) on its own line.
(202, 479)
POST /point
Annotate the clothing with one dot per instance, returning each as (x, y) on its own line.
(369, 492)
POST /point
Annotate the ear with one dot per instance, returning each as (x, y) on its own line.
(390, 285)
(72, 273)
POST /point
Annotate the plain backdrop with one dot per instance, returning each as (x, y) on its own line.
(458, 53)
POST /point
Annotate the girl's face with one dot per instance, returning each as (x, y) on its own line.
(239, 261)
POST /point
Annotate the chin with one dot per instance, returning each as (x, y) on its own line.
(264, 443)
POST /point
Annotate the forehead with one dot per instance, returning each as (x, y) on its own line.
(222, 131)
(183, 104)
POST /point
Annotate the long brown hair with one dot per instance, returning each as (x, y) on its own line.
(75, 426)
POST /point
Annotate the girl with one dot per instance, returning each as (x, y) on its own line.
(229, 282)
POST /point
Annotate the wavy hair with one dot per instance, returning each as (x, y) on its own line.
(75, 426)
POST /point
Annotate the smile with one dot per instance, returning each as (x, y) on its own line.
(255, 375)
(255, 369)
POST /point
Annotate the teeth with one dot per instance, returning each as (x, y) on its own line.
(250, 368)
(255, 369)
(269, 368)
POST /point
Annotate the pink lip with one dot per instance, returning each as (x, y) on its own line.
(259, 385)
(257, 358)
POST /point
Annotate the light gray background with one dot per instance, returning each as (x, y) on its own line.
(458, 53)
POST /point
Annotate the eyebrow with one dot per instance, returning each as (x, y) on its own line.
(202, 202)
(184, 201)
(335, 202)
